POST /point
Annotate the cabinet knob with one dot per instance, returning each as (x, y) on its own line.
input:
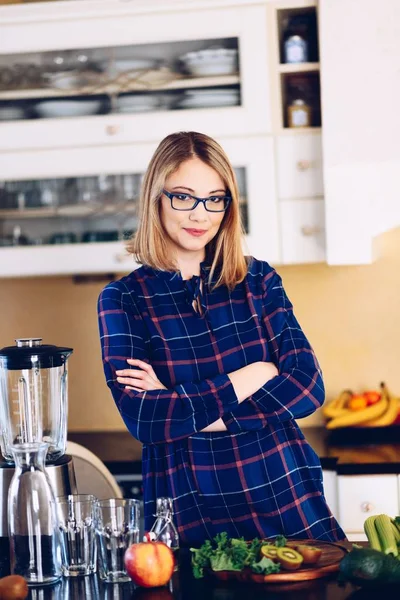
(366, 506)
(309, 230)
(112, 129)
(304, 165)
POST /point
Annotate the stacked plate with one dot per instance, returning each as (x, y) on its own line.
(132, 66)
(209, 98)
(67, 108)
(137, 103)
(11, 113)
(211, 61)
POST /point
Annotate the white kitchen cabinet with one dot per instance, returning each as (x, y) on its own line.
(330, 489)
(322, 192)
(361, 123)
(303, 231)
(138, 31)
(121, 144)
(363, 495)
(252, 158)
(299, 166)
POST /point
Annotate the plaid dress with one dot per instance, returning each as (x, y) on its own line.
(258, 479)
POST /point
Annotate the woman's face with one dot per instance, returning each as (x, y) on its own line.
(190, 231)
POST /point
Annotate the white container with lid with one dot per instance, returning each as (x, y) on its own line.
(295, 49)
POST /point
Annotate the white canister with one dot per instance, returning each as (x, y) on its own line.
(295, 49)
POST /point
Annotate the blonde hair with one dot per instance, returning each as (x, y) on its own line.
(149, 244)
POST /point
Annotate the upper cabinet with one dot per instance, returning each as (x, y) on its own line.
(134, 73)
(75, 218)
(296, 106)
(308, 117)
(360, 83)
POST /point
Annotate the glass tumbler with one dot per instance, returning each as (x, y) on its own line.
(117, 527)
(76, 522)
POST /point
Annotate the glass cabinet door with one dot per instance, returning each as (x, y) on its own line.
(202, 73)
(77, 210)
(128, 75)
(74, 210)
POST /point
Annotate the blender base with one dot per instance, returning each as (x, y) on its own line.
(62, 477)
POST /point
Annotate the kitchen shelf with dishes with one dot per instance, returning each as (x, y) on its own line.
(122, 80)
(77, 210)
(129, 75)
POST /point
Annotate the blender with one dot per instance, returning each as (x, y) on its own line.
(33, 409)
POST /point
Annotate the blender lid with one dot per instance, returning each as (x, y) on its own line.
(28, 351)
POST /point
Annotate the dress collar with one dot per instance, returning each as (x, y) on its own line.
(177, 275)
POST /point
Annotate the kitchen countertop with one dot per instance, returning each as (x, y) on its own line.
(91, 588)
(184, 587)
(348, 452)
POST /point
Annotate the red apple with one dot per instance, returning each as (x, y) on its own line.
(149, 564)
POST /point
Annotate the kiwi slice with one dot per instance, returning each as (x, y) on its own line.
(269, 551)
(289, 558)
(310, 554)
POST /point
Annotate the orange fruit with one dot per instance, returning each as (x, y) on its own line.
(357, 402)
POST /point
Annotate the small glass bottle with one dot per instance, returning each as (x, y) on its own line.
(164, 528)
(35, 542)
(299, 114)
(296, 49)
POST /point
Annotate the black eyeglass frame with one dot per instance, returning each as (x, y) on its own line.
(227, 200)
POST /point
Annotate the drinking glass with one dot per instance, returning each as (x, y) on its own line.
(76, 522)
(117, 527)
(35, 541)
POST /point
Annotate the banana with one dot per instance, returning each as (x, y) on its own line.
(353, 418)
(390, 414)
(337, 407)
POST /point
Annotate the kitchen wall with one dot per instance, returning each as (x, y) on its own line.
(350, 315)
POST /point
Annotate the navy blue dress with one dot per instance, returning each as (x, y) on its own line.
(260, 478)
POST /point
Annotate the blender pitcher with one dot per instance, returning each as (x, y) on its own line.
(33, 396)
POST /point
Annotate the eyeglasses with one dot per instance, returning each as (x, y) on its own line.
(181, 201)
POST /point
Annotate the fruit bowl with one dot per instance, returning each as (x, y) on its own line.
(369, 409)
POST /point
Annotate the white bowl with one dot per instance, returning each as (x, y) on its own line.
(220, 92)
(11, 113)
(138, 100)
(213, 61)
(212, 68)
(66, 80)
(120, 65)
(209, 54)
(208, 102)
(67, 108)
(134, 109)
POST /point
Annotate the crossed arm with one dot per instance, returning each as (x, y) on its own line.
(245, 381)
(252, 397)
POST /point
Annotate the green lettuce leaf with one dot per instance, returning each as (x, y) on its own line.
(201, 559)
(265, 566)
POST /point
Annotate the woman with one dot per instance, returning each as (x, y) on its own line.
(207, 364)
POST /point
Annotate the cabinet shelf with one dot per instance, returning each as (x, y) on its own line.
(134, 86)
(68, 210)
(299, 130)
(299, 67)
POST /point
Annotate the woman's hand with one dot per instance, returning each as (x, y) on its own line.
(141, 379)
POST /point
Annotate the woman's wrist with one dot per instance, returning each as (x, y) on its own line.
(247, 380)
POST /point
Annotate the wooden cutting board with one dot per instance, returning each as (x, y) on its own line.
(332, 554)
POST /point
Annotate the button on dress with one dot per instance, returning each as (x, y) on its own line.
(260, 478)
